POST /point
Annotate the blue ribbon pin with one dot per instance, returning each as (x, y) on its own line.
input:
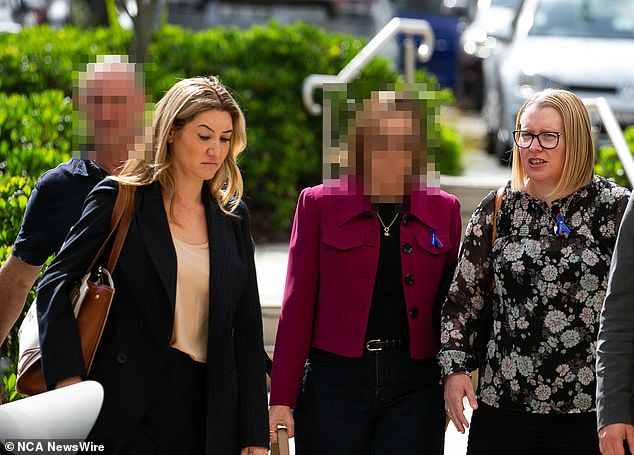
(434, 240)
(561, 225)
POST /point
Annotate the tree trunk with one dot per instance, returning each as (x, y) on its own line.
(144, 22)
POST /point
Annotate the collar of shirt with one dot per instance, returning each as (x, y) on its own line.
(420, 204)
(87, 168)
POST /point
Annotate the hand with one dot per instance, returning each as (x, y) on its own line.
(457, 386)
(253, 450)
(612, 437)
(281, 416)
(68, 381)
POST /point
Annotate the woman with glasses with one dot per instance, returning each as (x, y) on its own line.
(545, 277)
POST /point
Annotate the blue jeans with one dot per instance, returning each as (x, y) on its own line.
(383, 403)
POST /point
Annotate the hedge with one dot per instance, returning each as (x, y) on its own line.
(265, 67)
(609, 164)
(35, 132)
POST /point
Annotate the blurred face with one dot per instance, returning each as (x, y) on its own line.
(113, 106)
(389, 158)
(543, 166)
(201, 146)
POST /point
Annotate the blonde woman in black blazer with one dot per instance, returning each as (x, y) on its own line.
(180, 359)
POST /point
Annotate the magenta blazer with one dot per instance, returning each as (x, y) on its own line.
(333, 258)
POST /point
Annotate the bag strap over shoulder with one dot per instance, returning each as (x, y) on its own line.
(499, 195)
(125, 218)
(121, 218)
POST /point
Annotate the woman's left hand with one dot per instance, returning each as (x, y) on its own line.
(254, 451)
(457, 386)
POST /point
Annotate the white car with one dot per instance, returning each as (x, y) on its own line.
(477, 43)
(586, 46)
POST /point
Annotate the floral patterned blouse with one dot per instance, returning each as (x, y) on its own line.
(548, 293)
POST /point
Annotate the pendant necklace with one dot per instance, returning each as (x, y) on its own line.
(386, 229)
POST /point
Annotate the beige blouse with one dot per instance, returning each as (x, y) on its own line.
(192, 299)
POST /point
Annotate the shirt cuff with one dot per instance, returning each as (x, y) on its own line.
(453, 361)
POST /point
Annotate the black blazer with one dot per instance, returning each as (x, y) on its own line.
(136, 338)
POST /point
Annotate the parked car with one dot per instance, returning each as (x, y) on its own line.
(8, 24)
(448, 18)
(333, 7)
(585, 46)
(476, 44)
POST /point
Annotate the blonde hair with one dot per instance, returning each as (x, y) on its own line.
(579, 159)
(182, 102)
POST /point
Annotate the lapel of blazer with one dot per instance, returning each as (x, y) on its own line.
(222, 268)
(156, 234)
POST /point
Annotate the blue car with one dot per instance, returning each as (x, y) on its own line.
(448, 19)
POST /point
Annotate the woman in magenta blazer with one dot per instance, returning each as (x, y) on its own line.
(354, 354)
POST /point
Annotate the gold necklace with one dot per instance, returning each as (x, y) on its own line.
(386, 229)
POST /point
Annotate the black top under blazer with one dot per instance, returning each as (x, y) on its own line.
(137, 335)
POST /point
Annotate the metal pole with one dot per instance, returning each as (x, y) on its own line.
(417, 27)
(616, 136)
(409, 50)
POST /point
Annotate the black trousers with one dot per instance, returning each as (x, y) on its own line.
(497, 431)
(174, 422)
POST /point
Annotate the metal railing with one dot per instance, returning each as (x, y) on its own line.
(410, 27)
(612, 127)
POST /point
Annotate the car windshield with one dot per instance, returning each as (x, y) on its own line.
(584, 18)
(506, 3)
(438, 7)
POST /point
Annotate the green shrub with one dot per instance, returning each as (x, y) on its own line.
(14, 193)
(41, 58)
(448, 161)
(7, 389)
(265, 66)
(35, 132)
(609, 164)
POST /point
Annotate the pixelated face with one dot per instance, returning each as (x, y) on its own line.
(200, 147)
(382, 145)
(113, 106)
(389, 156)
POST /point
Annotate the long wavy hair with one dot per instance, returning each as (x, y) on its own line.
(182, 102)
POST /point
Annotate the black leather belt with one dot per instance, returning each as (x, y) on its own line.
(385, 345)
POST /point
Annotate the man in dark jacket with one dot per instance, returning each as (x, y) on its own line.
(110, 128)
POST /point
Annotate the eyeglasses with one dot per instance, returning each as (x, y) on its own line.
(547, 139)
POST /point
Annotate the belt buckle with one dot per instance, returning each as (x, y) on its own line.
(368, 348)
